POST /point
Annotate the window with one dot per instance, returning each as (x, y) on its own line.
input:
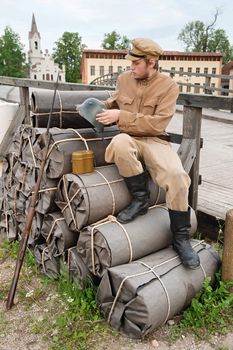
(197, 88)
(101, 70)
(36, 45)
(205, 70)
(47, 76)
(181, 71)
(188, 88)
(197, 70)
(128, 68)
(214, 70)
(189, 70)
(35, 77)
(60, 77)
(43, 76)
(110, 69)
(51, 76)
(92, 70)
(180, 88)
(119, 69)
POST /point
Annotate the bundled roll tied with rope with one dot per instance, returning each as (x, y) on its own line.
(138, 297)
(64, 114)
(78, 271)
(65, 142)
(109, 243)
(86, 198)
(57, 234)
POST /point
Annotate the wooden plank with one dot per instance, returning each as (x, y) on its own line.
(7, 140)
(205, 101)
(20, 82)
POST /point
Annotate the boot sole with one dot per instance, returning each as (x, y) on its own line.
(125, 222)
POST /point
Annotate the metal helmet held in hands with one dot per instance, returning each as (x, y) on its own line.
(88, 110)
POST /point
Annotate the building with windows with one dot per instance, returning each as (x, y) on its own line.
(228, 83)
(42, 66)
(96, 63)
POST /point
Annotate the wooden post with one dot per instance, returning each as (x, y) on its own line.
(207, 85)
(227, 261)
(189, 150)
(24, 101)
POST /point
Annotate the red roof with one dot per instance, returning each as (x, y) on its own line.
(165, 53)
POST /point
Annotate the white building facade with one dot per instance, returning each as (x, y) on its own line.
(42, 66)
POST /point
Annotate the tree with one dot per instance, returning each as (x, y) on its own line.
(68, 51)
(12, 56)
(200, 37)
(113, 41)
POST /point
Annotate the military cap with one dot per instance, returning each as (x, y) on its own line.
(143, 48)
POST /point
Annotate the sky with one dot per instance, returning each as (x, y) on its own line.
(160, 20)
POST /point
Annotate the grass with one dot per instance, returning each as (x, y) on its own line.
(69, 317)
(210, 313)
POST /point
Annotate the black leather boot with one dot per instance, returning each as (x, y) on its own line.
(138, 188)
(180, 227)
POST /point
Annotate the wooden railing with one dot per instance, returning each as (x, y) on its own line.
(111, 78)
(190, 141)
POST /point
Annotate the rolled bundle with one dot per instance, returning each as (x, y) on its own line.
(64, 113)
(65, 142)
(139, 297)
(35, 236)
(78, 195)
(78, 272)
(57, 234)
(11, 226)
(110, 243)
(49, 265)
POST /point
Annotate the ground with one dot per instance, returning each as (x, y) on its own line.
(37, 303)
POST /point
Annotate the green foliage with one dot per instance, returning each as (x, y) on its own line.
(80, 319)
(211, 311)
(200, 37)
(113, 41)
(12, 56)
(68, 51)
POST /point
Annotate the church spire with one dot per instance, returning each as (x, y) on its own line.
(33, 28)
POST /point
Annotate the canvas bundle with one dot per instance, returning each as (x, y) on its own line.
(110, 243)
(78, 195)
(138, 297)
(64, 113)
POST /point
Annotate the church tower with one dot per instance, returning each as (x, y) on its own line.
(35, 52)
(42, 66)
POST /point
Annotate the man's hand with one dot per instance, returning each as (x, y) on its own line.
(108, 116)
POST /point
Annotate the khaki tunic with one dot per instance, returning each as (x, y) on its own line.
(146, 107)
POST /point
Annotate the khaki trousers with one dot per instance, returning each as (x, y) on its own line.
(133, 154)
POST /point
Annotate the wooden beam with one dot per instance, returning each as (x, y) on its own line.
(24, 101)
(189, 150)
(8, 137)
(205, 101)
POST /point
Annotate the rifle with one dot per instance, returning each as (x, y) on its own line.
(31, 213)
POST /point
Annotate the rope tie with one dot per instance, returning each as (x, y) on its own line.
(164, 288)
(141, 274)
(31, 149)
(111, 191)
(81, 138)
(71, 200)
(68, 202)
(77, 139)
(52, 227)
(109, 218)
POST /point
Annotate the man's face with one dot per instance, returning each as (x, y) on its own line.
(140, 69)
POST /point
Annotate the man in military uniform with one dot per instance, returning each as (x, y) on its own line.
(142, 106)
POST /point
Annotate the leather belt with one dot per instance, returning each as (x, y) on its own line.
(161, 137)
